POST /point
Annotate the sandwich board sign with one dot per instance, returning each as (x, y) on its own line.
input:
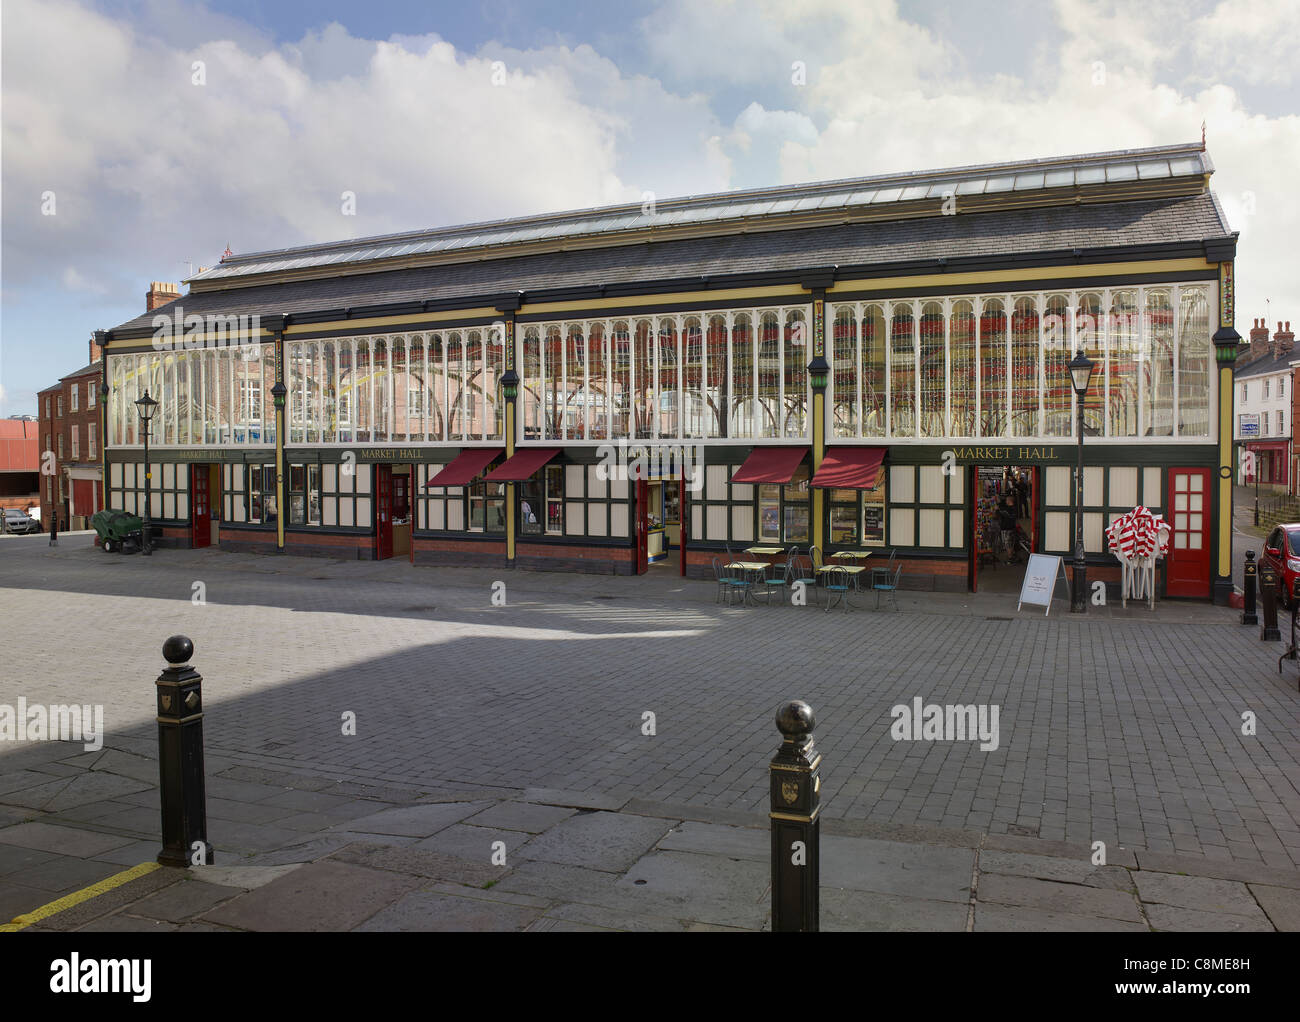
(1040, 581)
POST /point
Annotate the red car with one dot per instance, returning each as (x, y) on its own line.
(1282, 551)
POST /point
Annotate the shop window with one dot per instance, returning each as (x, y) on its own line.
(541, 503)
(487, 507)
(261, 494)
(783, 511)
(844, 517)
(304, 494)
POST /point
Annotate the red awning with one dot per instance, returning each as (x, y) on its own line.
(849, 468)
(770, 465)
(522, 465)
(465, 466)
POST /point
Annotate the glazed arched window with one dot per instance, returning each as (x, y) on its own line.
(715, 363)
(744, 415)
(874, 413)
(994, 417)
(797, 349)
(1123, 364)
(1158, 370)
(553, 385)
(961, 369)
(1195, 362)
(1058, 392)
(531, 388)
(1024, 368)
(1090, 338)
(844, 372)
(933, 369)
(902, 371)
(621, 397)
(597, 382)
(769, 375)
(694, 419)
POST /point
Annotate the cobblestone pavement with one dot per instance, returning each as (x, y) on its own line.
(1124, 727)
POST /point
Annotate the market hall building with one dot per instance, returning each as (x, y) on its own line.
(825, 365)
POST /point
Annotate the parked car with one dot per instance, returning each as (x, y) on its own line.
(19, 522)
(1282, 551)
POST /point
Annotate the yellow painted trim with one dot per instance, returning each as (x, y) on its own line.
(78, 897)
(263, 336)
(281, 414)
(363, 326)
(954, 281)
(818, 452)
(510, 487)
(1225, 485)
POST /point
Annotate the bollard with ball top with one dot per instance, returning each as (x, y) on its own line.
(180, 759)
(1248, 615)
(795, 804)
(1268, 591)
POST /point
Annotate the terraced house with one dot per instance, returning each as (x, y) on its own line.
(835, 365)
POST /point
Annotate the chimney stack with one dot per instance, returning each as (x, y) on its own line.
(1258, 344)
(160, 293)
(97, 345)
(1283, 340)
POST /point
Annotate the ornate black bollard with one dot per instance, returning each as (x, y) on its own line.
(796, 802)
(1248, 615)
(180, 759)
(1268, 596)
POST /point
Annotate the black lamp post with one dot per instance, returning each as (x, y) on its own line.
(146, 407)
(1080, 374)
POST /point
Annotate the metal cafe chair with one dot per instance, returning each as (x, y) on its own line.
(838, 585)
(802, 571)
(775, 582)
(724, 583)
(731, 581)
(883, 574)
(888, 585)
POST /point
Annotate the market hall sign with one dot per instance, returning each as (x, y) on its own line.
(1010, 455)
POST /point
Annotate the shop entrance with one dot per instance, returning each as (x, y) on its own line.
(1003, 526)
(661, 526)
(402, 511)
(200, 505)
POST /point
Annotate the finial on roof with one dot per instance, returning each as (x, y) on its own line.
(1202, 135)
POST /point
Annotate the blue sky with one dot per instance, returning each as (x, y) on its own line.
(301, 101)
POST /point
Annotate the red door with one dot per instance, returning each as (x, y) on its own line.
(1187, 569)
(642, 527)
(200, 507)
(383, 512)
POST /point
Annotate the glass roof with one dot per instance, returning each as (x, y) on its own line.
(1157, 163)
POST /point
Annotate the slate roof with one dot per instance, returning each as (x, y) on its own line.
(857, 248)
(1267, 364)
(1115, 176)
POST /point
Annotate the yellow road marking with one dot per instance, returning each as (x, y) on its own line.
(77, 897)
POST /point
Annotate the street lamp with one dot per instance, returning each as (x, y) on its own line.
(146, 407)
(1080, 374)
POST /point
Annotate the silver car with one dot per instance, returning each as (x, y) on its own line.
(19, 522)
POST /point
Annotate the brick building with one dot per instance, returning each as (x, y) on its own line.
(71, 426)
(19, 463)
(1263, 413)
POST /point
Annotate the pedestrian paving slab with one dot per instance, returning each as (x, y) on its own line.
(1132, 737)
(321, 896)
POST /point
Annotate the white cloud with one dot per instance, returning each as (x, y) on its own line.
(150, 169)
